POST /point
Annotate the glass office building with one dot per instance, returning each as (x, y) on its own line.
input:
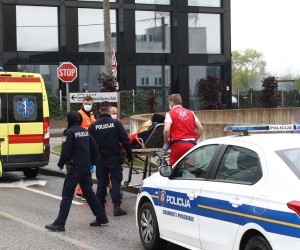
(166, 45)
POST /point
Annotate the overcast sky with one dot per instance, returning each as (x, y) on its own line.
(270, 27)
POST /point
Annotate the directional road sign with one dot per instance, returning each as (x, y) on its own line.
(97, 97)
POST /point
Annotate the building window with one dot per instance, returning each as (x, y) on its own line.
(88, 77)
(49, 73)
(204, 33)
(37, 28)
(195, 74)
(152, 32)
(205, 3)
(151, 74)
(164, 2)
(91, 30)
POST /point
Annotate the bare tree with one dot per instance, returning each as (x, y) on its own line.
(107, 37)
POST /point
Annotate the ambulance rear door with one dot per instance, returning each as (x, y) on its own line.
(25, 121)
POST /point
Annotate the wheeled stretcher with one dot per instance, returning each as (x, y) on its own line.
(146, 153)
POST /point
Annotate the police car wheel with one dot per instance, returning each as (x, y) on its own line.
(258, 243)
(148, 228)
(30, 172)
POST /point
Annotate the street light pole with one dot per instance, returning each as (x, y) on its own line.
(107, 37)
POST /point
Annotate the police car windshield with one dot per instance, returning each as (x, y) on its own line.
(292, 159)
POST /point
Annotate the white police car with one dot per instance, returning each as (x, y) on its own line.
(235, 192)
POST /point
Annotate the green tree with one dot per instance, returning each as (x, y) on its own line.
(248, 68)
(297, 84)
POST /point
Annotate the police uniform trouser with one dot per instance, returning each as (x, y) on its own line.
(109, 165)
(83, 177)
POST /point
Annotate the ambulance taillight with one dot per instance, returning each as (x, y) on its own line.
(46, 130)
(295, 206)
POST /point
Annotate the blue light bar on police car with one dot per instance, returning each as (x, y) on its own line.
(284, 127)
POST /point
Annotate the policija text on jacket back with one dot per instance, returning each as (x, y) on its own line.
(80, 148)
(111, 137)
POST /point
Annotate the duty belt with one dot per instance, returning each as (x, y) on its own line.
(104, 153)
(188, 141)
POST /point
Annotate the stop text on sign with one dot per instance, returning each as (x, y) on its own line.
(66, 72)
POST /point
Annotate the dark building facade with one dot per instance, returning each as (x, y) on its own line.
(166, 45)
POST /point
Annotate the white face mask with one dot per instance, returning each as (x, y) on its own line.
(114, 116)
(87, 108)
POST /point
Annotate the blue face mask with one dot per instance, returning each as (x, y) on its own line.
(87, 108)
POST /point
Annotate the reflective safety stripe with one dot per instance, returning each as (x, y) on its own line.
(20, 79)
(273, 221)
(14, 139)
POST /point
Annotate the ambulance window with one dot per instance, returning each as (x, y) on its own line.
(195, 165)
(26, 107)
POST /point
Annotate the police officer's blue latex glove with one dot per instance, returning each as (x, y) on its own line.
(93, 169)
(165, 148)
(60, 168)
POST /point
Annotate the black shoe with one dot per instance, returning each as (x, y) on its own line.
(118, 211)
(97, 223)
(55, 227)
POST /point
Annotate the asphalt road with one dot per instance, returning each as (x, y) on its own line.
(25, 209)
(28, 205)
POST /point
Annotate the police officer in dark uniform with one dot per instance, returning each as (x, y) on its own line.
(81, 149)
(110, 136)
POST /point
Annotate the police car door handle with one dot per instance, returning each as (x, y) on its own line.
(236, 202)
(192, 196)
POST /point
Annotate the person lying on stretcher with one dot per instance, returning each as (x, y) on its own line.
(145, 130)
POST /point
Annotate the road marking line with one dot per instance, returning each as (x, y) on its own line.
(50, 195)
(62, 236)
(24, 185)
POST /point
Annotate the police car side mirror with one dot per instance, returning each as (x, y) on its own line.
(165, 171)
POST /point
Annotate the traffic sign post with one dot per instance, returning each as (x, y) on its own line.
(67, 72)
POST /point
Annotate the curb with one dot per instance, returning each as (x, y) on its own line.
(57, 173)
(62, 174)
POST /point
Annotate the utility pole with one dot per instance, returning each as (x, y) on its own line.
(107, 37)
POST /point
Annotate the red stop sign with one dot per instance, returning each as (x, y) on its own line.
(67, 72)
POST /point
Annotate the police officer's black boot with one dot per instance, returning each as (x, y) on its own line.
(118, 211)
(55, 227)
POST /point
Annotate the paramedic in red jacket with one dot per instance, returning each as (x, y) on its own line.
(182, 129)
